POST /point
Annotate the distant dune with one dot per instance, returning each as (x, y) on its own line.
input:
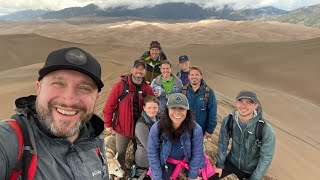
(278, 61)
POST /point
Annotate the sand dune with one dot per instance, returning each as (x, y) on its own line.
(278, 61)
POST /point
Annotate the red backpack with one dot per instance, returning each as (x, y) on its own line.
(25, 167)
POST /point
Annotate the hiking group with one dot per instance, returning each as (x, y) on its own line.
(56, 135)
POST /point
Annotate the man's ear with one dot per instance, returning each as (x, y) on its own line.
(98, 95)
(257, 105)
(38, 86)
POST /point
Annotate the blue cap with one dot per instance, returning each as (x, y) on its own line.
(183, 58)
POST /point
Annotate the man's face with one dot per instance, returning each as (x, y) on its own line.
(165, 70)
(65, 101)
(195, 77)
(184, 65)
(138, 73)
(245, 107)
(154, 53)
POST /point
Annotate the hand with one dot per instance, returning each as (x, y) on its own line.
(217, 170)
(109, 130)
(207, 135)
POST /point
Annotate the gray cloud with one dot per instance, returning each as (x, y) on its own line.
(8, 6)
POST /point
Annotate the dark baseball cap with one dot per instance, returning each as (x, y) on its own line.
(248, 94)
(73, 58)
(183, 58)
(155, 44)
(139, 62)
(178, 100)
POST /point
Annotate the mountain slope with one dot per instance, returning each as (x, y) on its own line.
(24, 15)
(171, 11)
(308, 16)
(71, 12)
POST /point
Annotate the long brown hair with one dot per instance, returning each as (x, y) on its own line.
(166, 127)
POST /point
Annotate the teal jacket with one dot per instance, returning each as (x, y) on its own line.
(244, 154)
(204, 111)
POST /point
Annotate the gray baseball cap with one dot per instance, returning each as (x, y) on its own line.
(178, 100)
(248, 94)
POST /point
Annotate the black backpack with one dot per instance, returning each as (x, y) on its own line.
(258, 130)
(125, 92)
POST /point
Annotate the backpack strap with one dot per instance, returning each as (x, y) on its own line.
(207, 94)
(120, 98)
(259, 129)
(184, 89)
(27, 158)
(230, 125)
(125, 90)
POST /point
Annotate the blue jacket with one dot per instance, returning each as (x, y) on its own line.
(205, 112)
(244, 154)
(177, 88)
(158, 151)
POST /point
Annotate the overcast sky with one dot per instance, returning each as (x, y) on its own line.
(9, 6)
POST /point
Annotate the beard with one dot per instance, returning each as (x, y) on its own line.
(137, 77)
(60, 128)
(194, 82)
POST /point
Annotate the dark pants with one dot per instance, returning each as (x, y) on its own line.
(231, 169)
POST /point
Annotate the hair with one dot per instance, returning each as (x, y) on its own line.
(166, 62)
(166, 127)
(150, 98)
(195, 68)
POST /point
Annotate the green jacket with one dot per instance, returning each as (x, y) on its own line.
(244, 154)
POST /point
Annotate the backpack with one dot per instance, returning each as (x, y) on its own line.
(121, 97)
(206, 95)
(258, 130)
(26, 165)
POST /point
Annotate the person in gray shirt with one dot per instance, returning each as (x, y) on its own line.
(147, 119)
(60, 123)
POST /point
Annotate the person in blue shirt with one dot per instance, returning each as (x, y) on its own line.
(177, 137)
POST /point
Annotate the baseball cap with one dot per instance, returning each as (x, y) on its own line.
(183, 58)
(73, 58)
(155, 44)
(139, 62)
(178, 100)
(248, 94)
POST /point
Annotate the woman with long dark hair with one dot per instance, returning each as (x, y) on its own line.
(176, 140)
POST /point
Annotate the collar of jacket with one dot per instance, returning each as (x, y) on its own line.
(127, 78)
(148, 119)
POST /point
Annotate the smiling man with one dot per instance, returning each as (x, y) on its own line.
(202, 101)
(153, 59)
(59, 123)
(124, 106)
(166, 84)
(253, 141)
